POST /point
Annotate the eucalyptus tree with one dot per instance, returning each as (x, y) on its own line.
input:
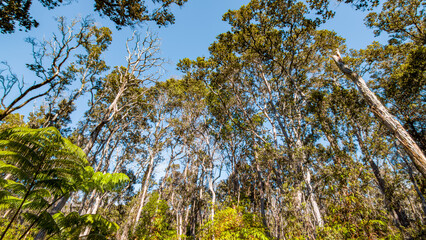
(116, 98)
(195, 161)
(395, 73)
(416, 154)
(186, 98)
(354, 165)
(401, 79)
(157, 136)
(120, 90)
(259, 75)
(73, 53)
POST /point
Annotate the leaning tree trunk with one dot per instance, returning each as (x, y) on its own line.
(383, 114)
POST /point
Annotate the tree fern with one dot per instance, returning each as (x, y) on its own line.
(43, 166)
(70, 226)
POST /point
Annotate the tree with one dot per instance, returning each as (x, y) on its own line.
(259, 75)
(121, 12)
(156, 221)
(261, 139)
(44, 168)
(416, 154)
(62, 68)
(401, 79)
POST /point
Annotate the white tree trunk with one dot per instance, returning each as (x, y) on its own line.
(383, 114)
(92, 210)
(313, 202)
(145, 188)
(211, 187)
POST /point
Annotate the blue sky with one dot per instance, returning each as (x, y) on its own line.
(197, 24)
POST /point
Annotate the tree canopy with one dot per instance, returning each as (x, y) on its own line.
(15, 14)
(281, 131)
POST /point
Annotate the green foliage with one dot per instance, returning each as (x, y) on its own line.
(398, 68)
(351, 218)
(44, 167)
(12, 120)
(41, 159)
(12, 11)
(103, 182)
(121, 12)
(14, 231)
(401, 19)
(156, 221)
(234, 223)
(71, 225)
(275, 113)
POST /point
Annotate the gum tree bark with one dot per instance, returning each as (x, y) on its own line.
(381, 112)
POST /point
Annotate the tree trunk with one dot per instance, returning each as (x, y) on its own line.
(419, 193)
(391, 203)
(383, 114)
(310, 191)
(92, 210)
(145, 187)
(315, 209)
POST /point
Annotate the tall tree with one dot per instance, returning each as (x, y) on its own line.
(122, 13)
(401, 79)
(57, 64)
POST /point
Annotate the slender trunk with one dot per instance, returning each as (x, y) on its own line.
(262, 195)
(166, 174)
(413, 150)
(211, 188)
(108, 116)
(179, 225)
(419, 193)
(310, 191)
(193, 221)
(390, 200)
(92, 210)
(317, 214)
(145, 188)
(127, 224)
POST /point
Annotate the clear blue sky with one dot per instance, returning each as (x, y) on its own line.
(197, 24)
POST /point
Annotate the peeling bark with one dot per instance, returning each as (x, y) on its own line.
(381, 112)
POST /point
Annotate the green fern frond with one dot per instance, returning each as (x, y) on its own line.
(108, 182)
(44, 220)
(10, 202)
(46, 166)
(39, 193)
(36, 204)
(14, 170)
(14, 187)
